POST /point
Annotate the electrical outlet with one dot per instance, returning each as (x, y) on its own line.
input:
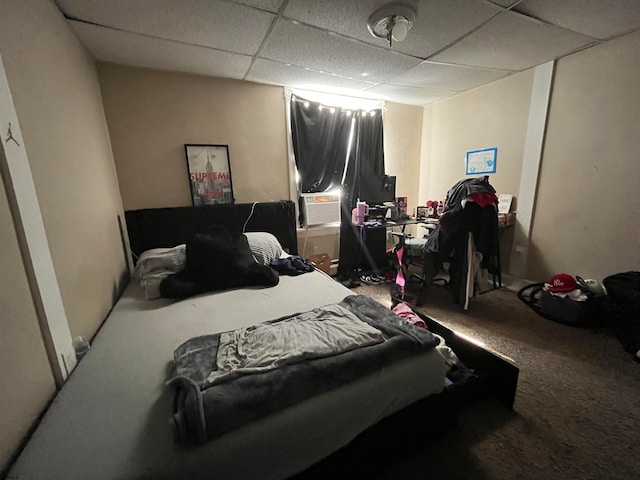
(69, 359)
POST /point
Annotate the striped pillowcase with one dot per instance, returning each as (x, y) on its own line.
(264, 246)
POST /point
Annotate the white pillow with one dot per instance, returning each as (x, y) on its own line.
(151, 284)
(264, 246)
(158, 260)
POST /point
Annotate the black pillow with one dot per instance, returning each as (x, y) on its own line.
(217, 260)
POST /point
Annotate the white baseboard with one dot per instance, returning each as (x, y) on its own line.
(513, 283)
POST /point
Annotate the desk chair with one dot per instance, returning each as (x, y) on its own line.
(409, 252)
(469, 243)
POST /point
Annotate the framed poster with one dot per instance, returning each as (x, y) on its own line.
(482, 161)
(209, 174)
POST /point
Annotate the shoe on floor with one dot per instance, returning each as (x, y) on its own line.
(350, 283)
(369, 279)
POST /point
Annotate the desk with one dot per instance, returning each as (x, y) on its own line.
(400, 223)
(363, 248)
(372, 236)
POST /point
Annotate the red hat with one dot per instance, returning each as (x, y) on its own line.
(562, 282)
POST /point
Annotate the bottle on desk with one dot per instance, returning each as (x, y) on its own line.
(359, 213)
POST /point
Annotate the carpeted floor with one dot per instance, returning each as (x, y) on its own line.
(577, 409)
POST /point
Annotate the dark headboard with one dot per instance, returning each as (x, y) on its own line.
(168, 227)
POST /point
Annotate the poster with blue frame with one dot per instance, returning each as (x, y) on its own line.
(482, 161)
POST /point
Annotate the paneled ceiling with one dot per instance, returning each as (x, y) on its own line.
(453, 46)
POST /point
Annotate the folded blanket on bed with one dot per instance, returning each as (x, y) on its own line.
(321, 332)
(203, 411)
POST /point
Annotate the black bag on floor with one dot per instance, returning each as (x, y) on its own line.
(621, 309)
(563, 310)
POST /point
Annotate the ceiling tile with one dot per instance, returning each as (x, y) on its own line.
(467, 43)
(268, 5)
(130, 49)
(438, 22)
(512, 41)
(210, 23)
(409, 95)
(268, 71)
(504, 3)
(449, 77)
(304, 46)
(599, 19)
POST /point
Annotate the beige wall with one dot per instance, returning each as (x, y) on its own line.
(56, 94)
(152, 114)
(495, 115)
(402, 142)
(55, 89)
(491, 116)
(402, 150)
(25, 375)
(587, 217)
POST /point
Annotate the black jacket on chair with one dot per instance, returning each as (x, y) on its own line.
(448, 242)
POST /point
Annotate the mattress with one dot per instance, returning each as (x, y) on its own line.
(111, 419)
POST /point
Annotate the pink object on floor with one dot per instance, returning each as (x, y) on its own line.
(400, 276)
(405, 312)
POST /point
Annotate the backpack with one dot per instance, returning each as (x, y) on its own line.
(621, 310)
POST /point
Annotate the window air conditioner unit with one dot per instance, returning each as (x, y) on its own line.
(321, 208)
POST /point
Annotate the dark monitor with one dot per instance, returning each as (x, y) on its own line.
(377, 189)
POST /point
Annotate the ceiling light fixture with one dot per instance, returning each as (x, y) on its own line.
(391, 22)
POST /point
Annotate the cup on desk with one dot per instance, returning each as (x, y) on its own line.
(361, 211)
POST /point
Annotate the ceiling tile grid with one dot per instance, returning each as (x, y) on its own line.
(505, 3)
(410, 95)
(596, 18)
(427, 35)
(136, 50)
(206, 23)
(453, 46)
(268, 71)
(266, 5)
(444, 76)
(304, 46)
(512, 41)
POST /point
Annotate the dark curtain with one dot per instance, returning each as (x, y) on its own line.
(321, 148)
(320, 144)
(369, 145)
(366, 158)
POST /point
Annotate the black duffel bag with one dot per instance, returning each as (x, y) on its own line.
(563, 310)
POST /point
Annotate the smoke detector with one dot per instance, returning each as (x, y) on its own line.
(391, 22)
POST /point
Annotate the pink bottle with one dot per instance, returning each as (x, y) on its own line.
(362, 210)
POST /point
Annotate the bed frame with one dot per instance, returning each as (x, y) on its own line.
(168, 227)
(383, 444)
(494, 375)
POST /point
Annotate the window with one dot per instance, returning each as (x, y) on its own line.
(333, 146)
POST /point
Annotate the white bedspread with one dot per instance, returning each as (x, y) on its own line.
(110, 421)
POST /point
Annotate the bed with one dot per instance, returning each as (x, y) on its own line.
(112, 419)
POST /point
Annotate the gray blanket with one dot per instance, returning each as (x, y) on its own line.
(203, 413)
